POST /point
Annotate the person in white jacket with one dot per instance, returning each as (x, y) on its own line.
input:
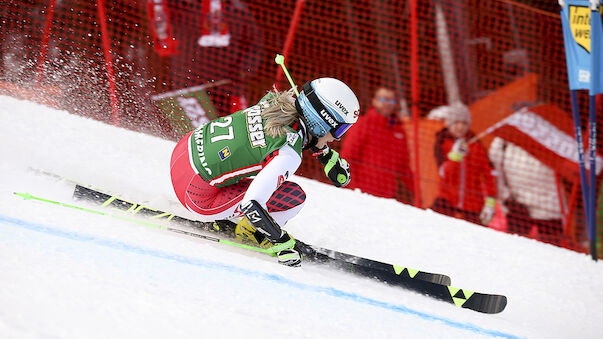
(529, 190)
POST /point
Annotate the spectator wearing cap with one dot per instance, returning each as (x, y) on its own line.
(467, 186)
(377, 150)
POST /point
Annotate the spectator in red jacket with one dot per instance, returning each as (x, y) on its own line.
(377, 150)
(467, 186)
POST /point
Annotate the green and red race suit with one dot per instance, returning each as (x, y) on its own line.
(234, 147)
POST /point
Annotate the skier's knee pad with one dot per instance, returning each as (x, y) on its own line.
(288, 196)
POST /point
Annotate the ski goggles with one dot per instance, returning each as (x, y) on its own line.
(338, 129)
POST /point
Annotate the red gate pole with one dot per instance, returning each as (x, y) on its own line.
(289, 40)
(414, 94)
(45, 38)
(102, 18)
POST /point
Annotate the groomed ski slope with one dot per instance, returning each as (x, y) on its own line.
(70, 274)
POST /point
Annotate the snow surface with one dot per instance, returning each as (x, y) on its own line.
(65, 273)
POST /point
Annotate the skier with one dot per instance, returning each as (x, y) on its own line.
(233, 170)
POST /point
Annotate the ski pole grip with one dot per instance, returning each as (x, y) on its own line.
(280, 60)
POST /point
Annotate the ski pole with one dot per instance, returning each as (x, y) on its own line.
(280, 60)
(28, 196)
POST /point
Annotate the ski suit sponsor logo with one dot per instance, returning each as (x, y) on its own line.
(198, 135)
(224, 153)
(282, 179)
(292, 138)
(255, 128)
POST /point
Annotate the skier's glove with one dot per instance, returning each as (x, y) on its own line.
(336, 168)
(488, 211)
(459, 150)
(286, 252)
(290, 257)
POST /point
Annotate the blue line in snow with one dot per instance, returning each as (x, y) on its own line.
(242, 271)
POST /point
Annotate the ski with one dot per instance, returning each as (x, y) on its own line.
(480, 302)
(395, 271)
(485, 303)
(430, 284)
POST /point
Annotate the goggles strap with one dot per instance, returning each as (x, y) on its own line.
(318, 106)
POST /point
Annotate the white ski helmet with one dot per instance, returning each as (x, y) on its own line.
(328, 105)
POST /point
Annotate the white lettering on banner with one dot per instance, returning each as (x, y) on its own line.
(583, 76)
(548, 135)
(198, 135)
(193, 110)
(255, 128)
(214, 40)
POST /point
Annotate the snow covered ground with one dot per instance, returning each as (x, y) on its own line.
(70, 274)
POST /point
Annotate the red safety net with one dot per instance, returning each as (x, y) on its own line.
(163, 67)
